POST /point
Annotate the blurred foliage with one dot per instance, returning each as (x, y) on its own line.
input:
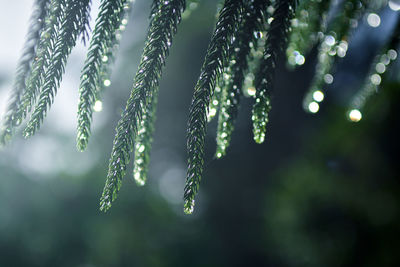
(336, 204)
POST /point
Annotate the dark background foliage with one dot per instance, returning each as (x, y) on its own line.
(321, 191)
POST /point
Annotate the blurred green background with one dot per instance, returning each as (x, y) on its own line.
(321, 191)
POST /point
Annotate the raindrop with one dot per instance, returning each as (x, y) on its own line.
(373, 20)
(313, 107)
(318, 96)
(355, 115)
(394, 5)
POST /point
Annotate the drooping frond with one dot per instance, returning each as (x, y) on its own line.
(264, 80)
(163, 26)
(40, 8)
(144, 137)
(251, 26)
(112, 15)
(310, 20)
(42, 58)
(72, 26)
(215, 60)
(215, 100)
(334, 43)
(109, 58)
(143, 142)
(382, 62)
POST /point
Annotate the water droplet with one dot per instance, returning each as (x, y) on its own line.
(394, 5)
(392, 54)
(300, 59)
(98, 106)
(107, 82)
(380, 68)
(374, 20)
(318, 96)
(189, 207)
(328, 78)
(355, 115)
(330, 40)
(313, 107)
(141, 148)
(376, 79)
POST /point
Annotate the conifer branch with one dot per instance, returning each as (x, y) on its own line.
(334, 44)
(72, 26)
(251, 25)
(100, 54)
(42, 58)
(382, 62)
(163, 26)
(310, 20)
(215, 60)
(109, 58)
(264, 80)
(238, 56)
(143, 142)
(40, 9)
(220, 82)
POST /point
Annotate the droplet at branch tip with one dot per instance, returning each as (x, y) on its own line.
(189, 207)
(27, 133)
(81, 144)
(139, 178)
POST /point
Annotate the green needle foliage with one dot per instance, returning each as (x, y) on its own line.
(251, 26)
(264, 81)
(215, 99)
(334, 44)
(73, 25)
(143, 141)
(40, 9)
(100, 53)
(311, 19)
(42, 58)
(382, 63)
(249, 39)
(163, 26)
(216, 59)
